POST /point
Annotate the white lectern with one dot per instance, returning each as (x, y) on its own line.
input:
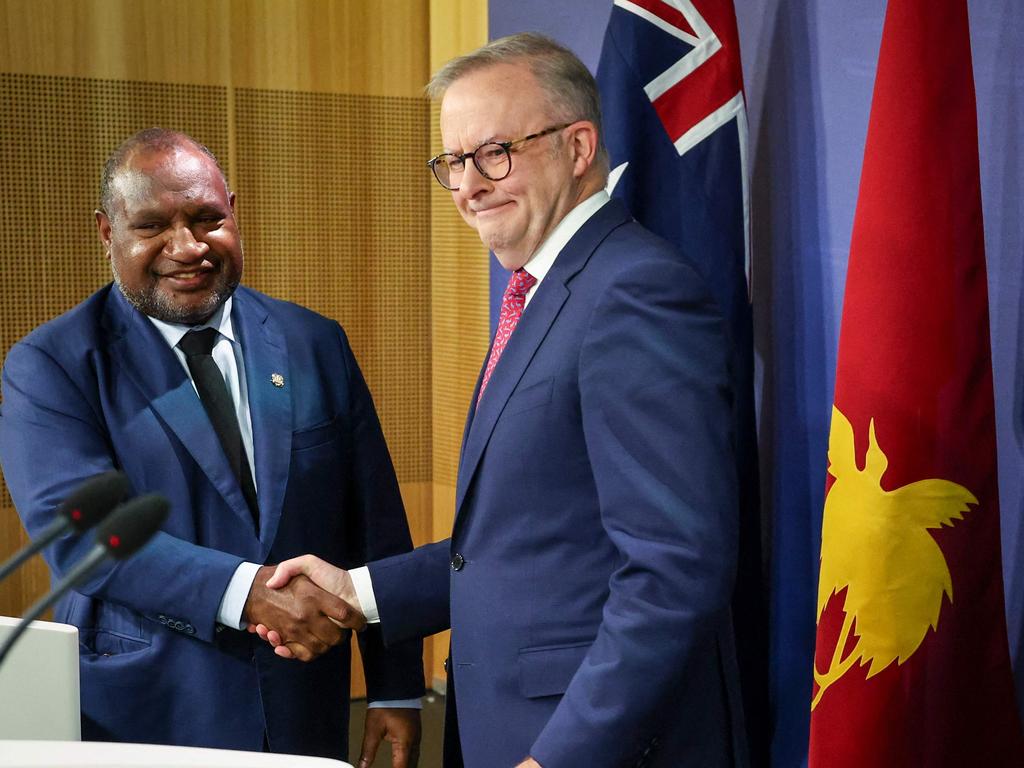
(39, 690)
(40, 716)
(95, 754)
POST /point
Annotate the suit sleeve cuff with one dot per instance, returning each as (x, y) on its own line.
(364, 591)
(233, 602)
(396, 704)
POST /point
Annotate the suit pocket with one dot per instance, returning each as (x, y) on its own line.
(531, 396)
(547, 671)
(102, 642)
(314, 436)
(117, 630)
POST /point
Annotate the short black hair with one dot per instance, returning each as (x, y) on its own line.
(147, 140)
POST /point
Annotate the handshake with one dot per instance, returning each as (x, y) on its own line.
(302, 607)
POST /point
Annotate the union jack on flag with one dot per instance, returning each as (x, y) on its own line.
(675, 64)
(675, 125)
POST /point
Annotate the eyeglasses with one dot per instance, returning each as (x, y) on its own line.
(493, 160)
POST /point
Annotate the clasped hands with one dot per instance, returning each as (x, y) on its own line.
(303, 607)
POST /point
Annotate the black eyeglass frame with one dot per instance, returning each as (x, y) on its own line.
(506, 146)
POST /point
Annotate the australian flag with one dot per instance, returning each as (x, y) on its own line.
(676, 129)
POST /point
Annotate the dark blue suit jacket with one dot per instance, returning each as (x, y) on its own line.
(99, 388)
(594, 547)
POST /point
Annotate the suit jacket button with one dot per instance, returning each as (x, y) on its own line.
(457, 562)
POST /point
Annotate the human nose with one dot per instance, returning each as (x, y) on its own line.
(182, 245)
(472, 182)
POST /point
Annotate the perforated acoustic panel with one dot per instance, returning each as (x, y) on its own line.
(333, 205)
(55, 133)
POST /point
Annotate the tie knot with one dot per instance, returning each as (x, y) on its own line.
(520, 283)
(198, 342)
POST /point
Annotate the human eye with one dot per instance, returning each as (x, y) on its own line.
(454, 163)
(491, 152)
(209, 218)
(145, 220)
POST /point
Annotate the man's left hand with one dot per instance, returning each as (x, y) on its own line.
(529, 763)
(401, 727)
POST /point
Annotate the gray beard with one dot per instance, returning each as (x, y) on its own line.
(151, 303)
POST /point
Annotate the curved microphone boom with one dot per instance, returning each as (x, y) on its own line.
(122, 534)
(85, 506)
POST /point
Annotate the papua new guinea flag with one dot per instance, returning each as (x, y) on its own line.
(911, 661)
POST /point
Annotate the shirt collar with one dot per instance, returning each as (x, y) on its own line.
(221, 320)
(545, 256)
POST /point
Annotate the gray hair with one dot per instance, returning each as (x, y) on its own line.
(570, 89)
(147, 140)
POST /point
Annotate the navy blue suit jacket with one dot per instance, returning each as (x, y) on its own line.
(99, 388)
(588, 577)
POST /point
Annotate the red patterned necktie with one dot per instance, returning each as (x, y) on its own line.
(512, 304)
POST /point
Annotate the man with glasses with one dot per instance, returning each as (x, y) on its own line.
(588, 576)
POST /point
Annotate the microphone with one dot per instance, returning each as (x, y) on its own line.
(85, 506)
(122, 534)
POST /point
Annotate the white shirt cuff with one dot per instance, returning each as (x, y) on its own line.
(233, 602)
(396, 704)
(364, 591)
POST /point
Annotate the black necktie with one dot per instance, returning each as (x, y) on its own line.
(213, 392)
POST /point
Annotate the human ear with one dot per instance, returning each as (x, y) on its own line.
(583, 144)
(103, 227)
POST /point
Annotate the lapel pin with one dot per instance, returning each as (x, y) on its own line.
(277, 380)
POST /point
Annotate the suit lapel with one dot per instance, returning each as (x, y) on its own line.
(531, 330)
(265, 353)
(159, 375)
(533, 326)
(472, 406)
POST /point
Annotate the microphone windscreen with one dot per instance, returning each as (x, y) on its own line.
(132, 524)
(90, 502)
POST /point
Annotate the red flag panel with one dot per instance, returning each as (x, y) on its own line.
(912, 665)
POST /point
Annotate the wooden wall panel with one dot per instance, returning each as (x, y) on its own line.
(334, 210)
(343, 46)
(340, 46)
(152, 40)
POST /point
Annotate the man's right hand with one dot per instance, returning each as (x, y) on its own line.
(324, 575)
(306, 619)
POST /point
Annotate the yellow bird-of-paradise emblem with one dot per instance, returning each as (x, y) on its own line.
(875, 544)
